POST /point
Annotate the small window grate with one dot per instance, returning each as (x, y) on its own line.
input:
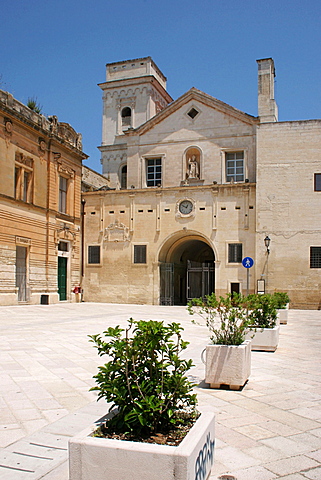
(94, 254)
(139, 253)
(317, 182)
(315, 257)
(193, 113)
(235, 253)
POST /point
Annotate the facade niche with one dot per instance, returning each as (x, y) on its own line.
(192, 164)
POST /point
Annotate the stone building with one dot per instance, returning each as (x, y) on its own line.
(92, 180)
(196, 186)
(40, 206)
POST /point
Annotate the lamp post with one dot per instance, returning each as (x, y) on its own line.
(267, 241)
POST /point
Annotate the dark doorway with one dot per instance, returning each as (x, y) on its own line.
(235, 288)
(200, 279)
(62, 278)
(189, 273)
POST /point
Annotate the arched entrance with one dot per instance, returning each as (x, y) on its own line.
(186, 270)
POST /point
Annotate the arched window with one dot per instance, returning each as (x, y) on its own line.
(123, 177)
(126, 117)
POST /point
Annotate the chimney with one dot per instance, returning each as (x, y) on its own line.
(267, 107)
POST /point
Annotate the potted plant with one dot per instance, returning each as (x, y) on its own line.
(153, 425)
(263, 322)
(282, 304)
(228, 356)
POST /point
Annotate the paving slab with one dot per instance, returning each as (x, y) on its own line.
(269, 429)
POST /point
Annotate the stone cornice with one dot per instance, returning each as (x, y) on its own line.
(184, 190)
(49, 127)
(135, 82)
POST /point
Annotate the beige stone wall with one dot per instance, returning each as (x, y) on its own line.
(288, 208)
(119, 220)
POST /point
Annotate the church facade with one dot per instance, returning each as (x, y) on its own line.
(195, 187)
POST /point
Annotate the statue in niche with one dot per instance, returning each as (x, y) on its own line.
(193, 169)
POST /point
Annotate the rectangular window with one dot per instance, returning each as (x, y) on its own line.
(315, 257)
(23, 185)
(139, 253)
(94, 254)
(235, 253)
(26, 185)
(63, 185)
(317, 182)
(154, 172)
(17, 183)
(234, 162)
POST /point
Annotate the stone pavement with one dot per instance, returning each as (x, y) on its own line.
(270, 429)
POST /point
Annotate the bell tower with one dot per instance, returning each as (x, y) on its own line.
(134, 91)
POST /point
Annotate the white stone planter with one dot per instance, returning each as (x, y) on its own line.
(266, 339)
(283, 314)
(93, 458)
(228, 365)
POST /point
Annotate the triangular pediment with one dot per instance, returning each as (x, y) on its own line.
(188, 99)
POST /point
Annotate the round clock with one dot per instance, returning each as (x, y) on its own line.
(185, 207)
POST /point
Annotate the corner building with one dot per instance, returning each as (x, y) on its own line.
(40, 206)
(195, 186)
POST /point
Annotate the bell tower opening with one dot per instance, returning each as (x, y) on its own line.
(187, 272)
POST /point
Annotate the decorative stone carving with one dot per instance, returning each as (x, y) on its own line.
(22, 159)
(54, 123)
(79, 141)
(65, 170)
(127, 101)
(116, 232)
(64, 231)
(193, 167)
(42, 145)
(8, 126)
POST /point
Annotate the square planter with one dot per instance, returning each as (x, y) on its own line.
(283, 314)
(266, 339)
(228, 365)
(108, 459)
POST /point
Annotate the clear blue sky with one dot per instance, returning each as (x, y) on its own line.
(57, 51)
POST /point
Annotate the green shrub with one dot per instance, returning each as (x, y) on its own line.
(281, 299)
(262, 310)
(226, 317)
(145, 378)
(34, 105)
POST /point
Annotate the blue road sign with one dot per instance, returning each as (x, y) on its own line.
(247, 262)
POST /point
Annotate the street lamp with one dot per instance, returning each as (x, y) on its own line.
(267, 241)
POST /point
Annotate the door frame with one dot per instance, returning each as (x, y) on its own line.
(22, 286)
(66, 254)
